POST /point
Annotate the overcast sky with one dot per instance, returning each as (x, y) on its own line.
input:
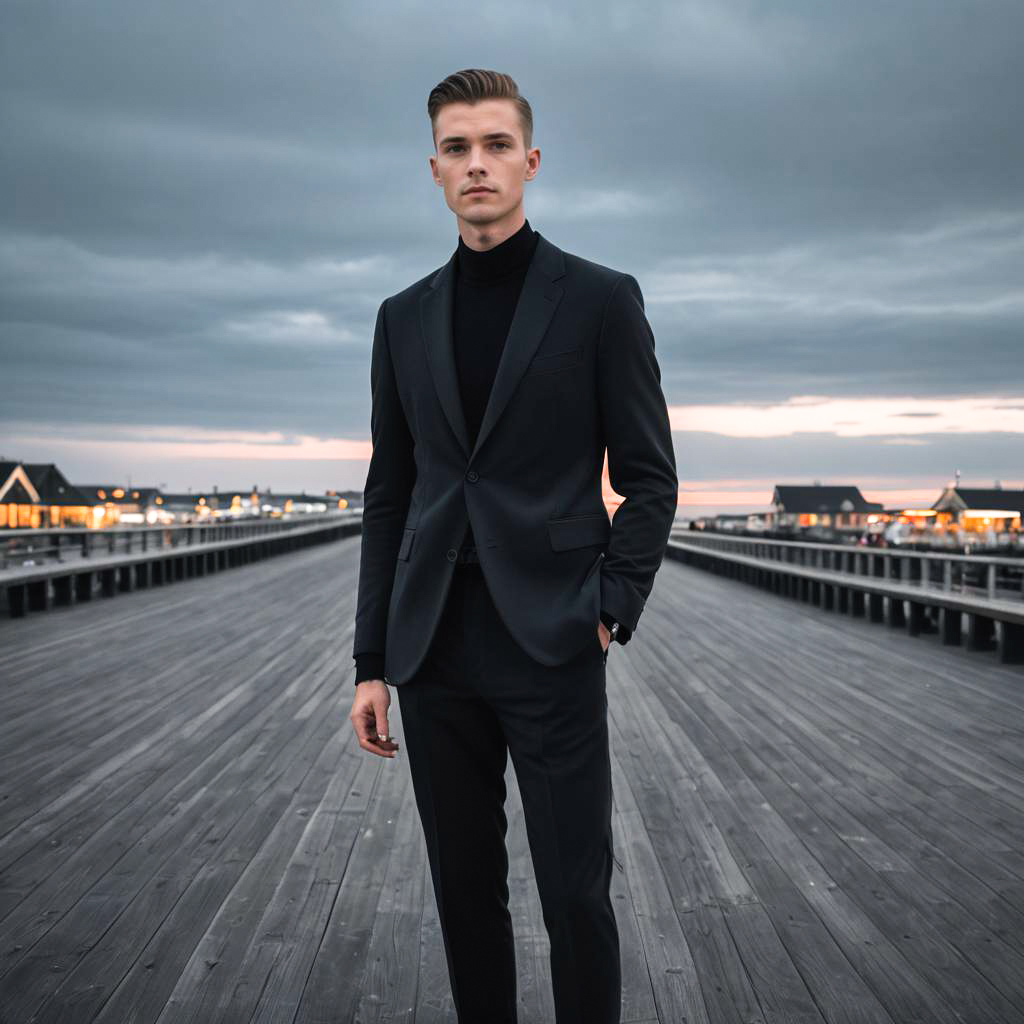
(205, 203)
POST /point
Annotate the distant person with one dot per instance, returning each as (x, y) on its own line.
(491, 579)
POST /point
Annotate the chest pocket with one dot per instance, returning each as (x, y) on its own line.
(551, 361)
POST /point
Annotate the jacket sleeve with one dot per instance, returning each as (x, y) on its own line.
(386, 497)
(622, 636)
(641, 458)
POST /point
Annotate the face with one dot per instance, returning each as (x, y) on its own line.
(480, 147)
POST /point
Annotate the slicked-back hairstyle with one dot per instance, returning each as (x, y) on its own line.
(474, 84)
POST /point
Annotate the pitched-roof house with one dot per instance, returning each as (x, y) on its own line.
(800, 506)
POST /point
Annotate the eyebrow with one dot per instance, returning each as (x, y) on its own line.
(489, 135)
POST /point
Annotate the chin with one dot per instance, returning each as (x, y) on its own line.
(477, 216)
(479, 213)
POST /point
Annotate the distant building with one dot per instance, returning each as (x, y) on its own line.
(729, 522)
(39, 496)
(979, 510)
(289, 503)
(820, 507)
(36, 495)
(216, 504)
(114, 504)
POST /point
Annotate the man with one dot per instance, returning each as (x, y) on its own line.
(491, 579)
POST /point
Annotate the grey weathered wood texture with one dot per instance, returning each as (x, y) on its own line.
(818, 820)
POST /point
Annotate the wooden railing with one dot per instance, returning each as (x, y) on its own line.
(924, 591)
(21, 548)
(58, 567)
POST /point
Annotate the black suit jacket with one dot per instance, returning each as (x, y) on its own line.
(578, 374)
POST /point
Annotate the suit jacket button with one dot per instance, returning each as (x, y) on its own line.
(452, 554)
(472, 476)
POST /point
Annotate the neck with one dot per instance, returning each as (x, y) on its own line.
(509, 257)
(486, 236)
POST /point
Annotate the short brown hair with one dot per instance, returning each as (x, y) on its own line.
(472, 85)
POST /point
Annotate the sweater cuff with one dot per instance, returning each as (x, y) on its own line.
(608, 619)
(369, 666)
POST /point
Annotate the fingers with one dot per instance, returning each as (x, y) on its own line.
(383, 736)
(370, 720)
(376, 741)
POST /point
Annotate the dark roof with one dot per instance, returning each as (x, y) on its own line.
(186, 499)
(52, 486)
(800, 498)
(311, 498)
(145, 494)
(16, 494)
(984, 497)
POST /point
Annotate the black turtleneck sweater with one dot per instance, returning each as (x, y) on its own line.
(487, 288)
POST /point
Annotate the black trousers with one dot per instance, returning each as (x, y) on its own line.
(478, 697)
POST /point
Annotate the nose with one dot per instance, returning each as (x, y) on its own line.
(476, 164)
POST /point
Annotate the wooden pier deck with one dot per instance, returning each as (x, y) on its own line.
(818, 820)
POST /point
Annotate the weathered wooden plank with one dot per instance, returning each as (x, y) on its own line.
(257, 925)
(333, 988)
(862, 747)
(958, 976)
(279, 965)
(747, 974)
(391, 973)
(125, 842)
(673, 979)
(794, 835)
(638, 997)
(188, 830)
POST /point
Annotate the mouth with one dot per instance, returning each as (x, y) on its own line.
(475, 191)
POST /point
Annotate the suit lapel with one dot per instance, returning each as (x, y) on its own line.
(536, 306)
(436, 319)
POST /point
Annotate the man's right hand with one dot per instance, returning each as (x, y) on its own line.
(369, 717)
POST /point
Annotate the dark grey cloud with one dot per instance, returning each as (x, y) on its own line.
(203, 204)
(981, 458)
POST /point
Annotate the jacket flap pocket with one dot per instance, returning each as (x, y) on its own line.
(406, 545)
(556, 360)
(579, 531)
